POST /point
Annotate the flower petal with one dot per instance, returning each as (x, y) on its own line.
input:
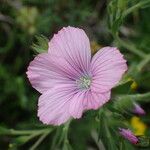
(54, 104)
(85, 100)
(46, 70)
(72, 44)
(107, 67)
(76, 105)
(96, 100)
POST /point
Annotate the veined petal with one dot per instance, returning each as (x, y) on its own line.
(96, 100)
(107, 68)
(72, 44)
(85, 100)
(54, 104)
(76, 105)
(46, 71)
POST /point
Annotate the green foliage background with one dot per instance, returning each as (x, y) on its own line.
(123, 23)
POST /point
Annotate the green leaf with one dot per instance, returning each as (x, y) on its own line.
(67, 146)
(22, 139)
(123, 104)
(42, 44)
(123, 87)
(115, 10)
(139, 97)
(104, 131)
(3, 130)
(143, 141)
(126, 145)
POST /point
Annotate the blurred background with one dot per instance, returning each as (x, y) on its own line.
(106, 22)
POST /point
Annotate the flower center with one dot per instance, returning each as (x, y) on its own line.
(84, 82)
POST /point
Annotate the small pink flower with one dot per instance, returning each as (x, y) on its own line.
(69, 80)
(127, 134)
(138, 109)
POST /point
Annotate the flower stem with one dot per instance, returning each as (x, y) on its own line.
(65, 130)
(135, 7)
(145, 61)
(61, 136)
(25, 132)
(130, 47)
(38, 142)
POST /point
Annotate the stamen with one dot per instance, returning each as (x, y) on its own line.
(84, 82)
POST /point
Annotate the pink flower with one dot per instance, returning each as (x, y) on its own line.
(69, 80)
(138, 109)
(127, 134)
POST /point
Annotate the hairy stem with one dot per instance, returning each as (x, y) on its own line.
(38, 142)
(130, 47)
(135, 7)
